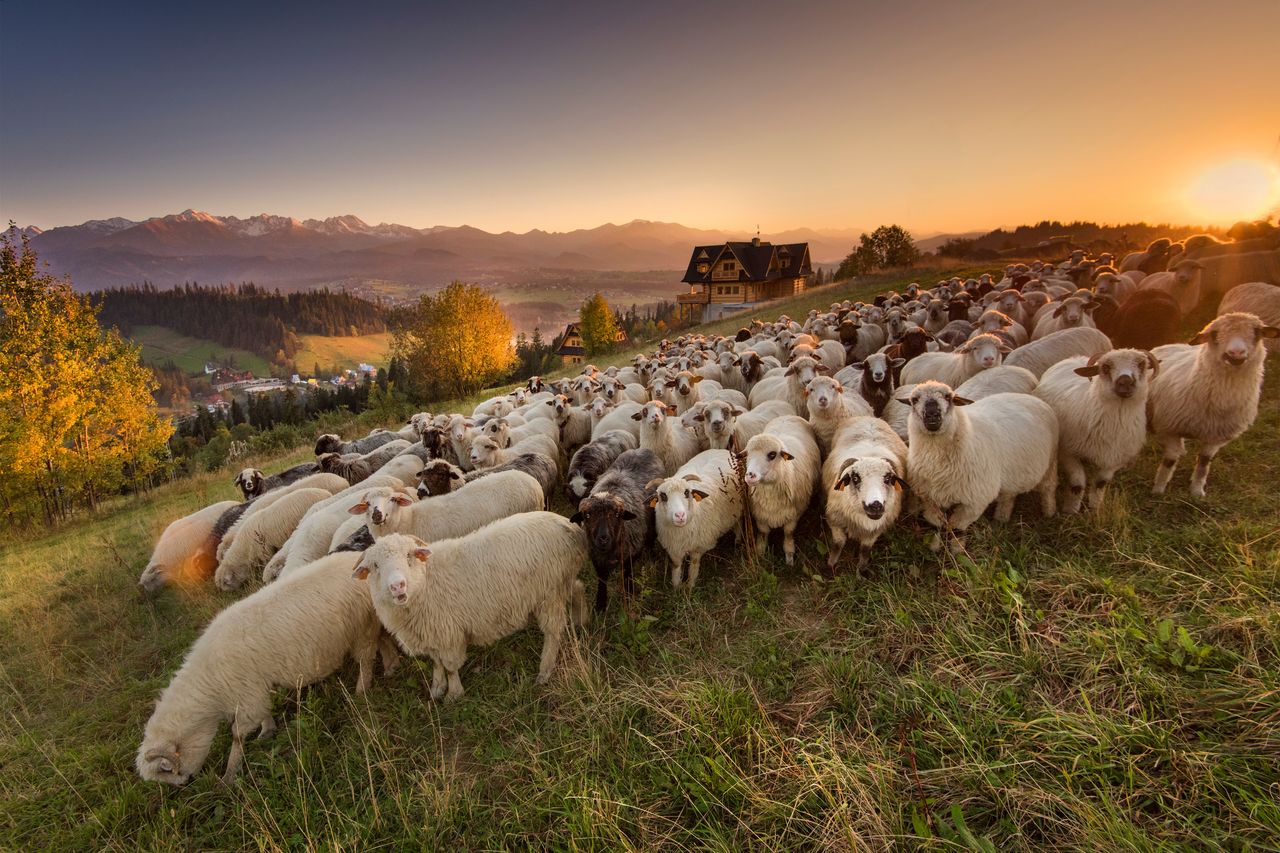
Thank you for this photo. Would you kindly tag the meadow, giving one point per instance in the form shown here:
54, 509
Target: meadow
161, 345
343, 352
1106, 682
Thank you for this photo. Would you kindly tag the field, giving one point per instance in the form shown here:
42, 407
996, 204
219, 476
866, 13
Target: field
342, 352
1079, 683
161, 344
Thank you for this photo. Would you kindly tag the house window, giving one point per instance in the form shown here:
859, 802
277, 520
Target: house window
786, 262
727, 266
702, 268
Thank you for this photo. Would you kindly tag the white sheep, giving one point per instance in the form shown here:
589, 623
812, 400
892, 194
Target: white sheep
286, 635
782, 465
487, 453
605, 417
662, 432
962, 455
330, 483
1071, 313
314, 534
1101, 404
458, 513
952, 368
262, 535
186, 551
864, 477
1257, 298
437, 598
1208, 392
788, 385
723, 423
830, 405
1039, 356
693, 508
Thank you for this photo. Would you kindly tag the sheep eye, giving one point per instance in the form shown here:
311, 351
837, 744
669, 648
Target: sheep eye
1106, 370
888, 479
856, 479
664, 497
773, 455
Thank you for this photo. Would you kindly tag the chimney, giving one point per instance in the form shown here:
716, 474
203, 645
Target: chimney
755, 241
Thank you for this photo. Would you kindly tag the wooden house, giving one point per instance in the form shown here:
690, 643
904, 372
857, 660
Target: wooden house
571, 349
735, 276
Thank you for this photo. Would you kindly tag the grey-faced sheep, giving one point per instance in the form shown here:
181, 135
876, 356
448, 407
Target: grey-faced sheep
863, 477
351, 467
330, 443
593, 459
618, 520
782, 466
285, 635
694, 508
1101, 404
1208, 392
186, 551
962, 456
438, 598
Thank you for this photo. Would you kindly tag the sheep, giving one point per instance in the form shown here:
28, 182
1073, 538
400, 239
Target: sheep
1207, 391
695, 507
486, 453
460, 434
438, 597
913, 343
1257, 298
593, 459
753, 365
330, 443
726, 424
502, 431
1071, 313
952, 368
1101, 404
830, 405
455, 514
962, 456
351, 467
330, 483
789, 385
664, 435
404, 467
1039, 356
863, 477
1118, 287
312, 538
1150, 260
998, 380
252, 482
617, 519
439, 477
781, 471
858, 340
537, 465
877, 380
605, 417
261, 535
380, 456
185, 551
1182, 281
286, 635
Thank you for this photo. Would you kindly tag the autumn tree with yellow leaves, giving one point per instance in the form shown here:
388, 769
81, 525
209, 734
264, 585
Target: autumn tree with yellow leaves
597, 326
77, 420
454, 343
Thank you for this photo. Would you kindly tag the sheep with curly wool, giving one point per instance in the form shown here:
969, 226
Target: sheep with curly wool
963, 455
789, 385
439, 597
1101, 404
952, 368
455, 514
1208, 392
261, 535
830, 405
286, 635
782, 465
662, 432
864, 478
593, 459
693, 508
1039, 356
186, 551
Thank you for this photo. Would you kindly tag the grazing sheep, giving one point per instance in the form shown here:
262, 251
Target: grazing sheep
1257, 298
186, 551
952, 368
593, 459
455, 514
962, 455
863, 477
1207, 391
253, 483
330, 443
695, 507
311, 539
830, 405
261, 535
287, 635
662, 432
617, 519
1039, 356
330, 483
782, 465
1101, 404
438, 598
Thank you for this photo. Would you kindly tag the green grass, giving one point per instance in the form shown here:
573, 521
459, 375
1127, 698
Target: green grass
161, 344
1073, 684
344, 352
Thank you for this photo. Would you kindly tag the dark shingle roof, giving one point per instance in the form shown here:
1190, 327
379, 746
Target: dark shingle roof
753, 261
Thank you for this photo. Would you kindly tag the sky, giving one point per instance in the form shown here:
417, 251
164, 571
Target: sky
941, 116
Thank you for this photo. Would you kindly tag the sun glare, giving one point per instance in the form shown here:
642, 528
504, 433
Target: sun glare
1236, 190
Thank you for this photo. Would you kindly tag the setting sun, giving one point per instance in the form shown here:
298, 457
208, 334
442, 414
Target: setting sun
1239, 189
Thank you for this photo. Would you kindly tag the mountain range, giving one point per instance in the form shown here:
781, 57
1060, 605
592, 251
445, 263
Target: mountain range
289, 253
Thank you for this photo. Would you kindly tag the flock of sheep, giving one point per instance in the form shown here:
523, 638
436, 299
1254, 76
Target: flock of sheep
935, 401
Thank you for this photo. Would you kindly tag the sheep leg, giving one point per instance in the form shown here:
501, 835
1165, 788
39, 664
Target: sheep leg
268, 728
437, 680
1174, 447
552, 620
762, 540
602, 591
455, 691
676, 574
1098, 492
1076, 482
789, 543
838, 539
694, 561
390, 654
1048, 489
1004, 507
1201, 475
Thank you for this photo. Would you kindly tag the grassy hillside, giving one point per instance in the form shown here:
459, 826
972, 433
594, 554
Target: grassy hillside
1078, 683
342, 352
160, 345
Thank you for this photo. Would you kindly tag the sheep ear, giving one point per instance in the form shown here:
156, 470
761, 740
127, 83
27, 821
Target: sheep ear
628, 515
653, 501
787, 456
576, 518
696, 379
699, 493
1153, 363
638, 416
841, 483
454, 475
899, 483
736, 411
402, 500
1088, 371
906, 401
897, 362
1005, 350
1090, 307
361, 572
699, 418
791, 371
858, 365
1269, 332
359, 508
420, 554
960, 401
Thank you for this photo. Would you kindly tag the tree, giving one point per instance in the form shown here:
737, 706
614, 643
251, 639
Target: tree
597, 326
454, 343
888, 247
77, 419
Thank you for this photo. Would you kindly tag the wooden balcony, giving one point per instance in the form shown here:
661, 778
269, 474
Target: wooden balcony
694, 297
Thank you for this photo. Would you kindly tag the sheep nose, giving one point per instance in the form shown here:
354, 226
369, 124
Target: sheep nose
874, 510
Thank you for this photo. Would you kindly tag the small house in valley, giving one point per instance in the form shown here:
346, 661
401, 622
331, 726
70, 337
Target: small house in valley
572, 351
734, 276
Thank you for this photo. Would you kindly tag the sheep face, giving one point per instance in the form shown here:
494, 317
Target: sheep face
652, 414
750, 364
536, 385
438, 478
599, 407
392, 565
459, 427
1126, 372
602, 517
985, 350
718, 418
250, 482
1008, 301
932, 404
804, 369
379, 508
483, 452
1072, 311
693, 421
163, 760
765, 455
584, 388
611, 388
1236, 338
676, 497
499, 429
1107, 284
993, 321
878, 367
329, 443
684, 383
873, 481
823, 393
